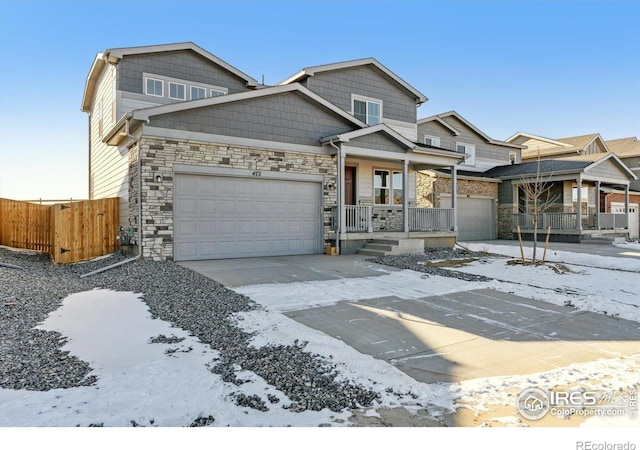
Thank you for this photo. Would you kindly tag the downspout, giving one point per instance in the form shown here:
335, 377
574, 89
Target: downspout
139, 255
338, 192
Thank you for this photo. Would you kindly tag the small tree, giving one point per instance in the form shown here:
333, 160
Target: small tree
539, 200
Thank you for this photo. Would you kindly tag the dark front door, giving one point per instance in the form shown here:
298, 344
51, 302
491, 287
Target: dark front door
349, 185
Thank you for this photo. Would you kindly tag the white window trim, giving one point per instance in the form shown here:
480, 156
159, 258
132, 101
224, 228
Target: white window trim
583, 199
146, 86
428, 136
389, 188
196, 87
177, 84
223, 90
471, 161
362, 98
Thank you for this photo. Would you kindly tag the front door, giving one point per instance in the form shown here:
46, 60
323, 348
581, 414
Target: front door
349, 185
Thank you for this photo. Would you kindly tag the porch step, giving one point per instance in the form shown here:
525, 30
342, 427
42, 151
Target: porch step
384, 247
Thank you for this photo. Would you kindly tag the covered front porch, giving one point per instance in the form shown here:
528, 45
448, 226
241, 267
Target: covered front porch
376, 190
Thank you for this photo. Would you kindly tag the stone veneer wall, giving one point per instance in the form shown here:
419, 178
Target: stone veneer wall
133, 192
430, 189
387, 219
159, 155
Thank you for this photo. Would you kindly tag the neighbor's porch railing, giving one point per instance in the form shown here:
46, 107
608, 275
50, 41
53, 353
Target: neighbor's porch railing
557, 221
358, 219
430, 219
612, 221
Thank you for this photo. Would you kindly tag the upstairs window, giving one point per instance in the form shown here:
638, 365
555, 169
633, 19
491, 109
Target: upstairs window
432, 140
367, 110
177, 91
470, 150
155, 87
198, 92
217, 92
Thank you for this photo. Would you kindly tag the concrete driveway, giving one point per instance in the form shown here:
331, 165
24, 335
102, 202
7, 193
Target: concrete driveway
437, 338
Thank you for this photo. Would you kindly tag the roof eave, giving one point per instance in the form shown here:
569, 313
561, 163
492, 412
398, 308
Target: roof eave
92, 79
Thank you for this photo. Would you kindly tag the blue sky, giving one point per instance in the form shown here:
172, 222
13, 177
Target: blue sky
557, 69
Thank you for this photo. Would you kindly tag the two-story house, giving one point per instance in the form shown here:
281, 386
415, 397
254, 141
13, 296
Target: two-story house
210, 164
477, 193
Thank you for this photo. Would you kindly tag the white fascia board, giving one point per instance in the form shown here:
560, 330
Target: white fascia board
119, 53
92, 79
346, 137
311, 71
441, 122
540, 138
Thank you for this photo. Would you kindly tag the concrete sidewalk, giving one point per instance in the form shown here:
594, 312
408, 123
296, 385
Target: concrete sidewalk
600, 249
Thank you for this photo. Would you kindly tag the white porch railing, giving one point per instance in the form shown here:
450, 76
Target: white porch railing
358, 219
612, 221
430, 219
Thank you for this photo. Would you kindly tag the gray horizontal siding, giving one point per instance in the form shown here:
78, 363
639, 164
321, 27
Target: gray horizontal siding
608, 169
183, 64
505, 192
377, 141
281, 118
487, 155
338, 85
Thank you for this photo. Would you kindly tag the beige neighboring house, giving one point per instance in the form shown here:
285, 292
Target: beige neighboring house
603, 187
477, 194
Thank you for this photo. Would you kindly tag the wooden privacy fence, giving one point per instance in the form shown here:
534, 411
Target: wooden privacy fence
69, 232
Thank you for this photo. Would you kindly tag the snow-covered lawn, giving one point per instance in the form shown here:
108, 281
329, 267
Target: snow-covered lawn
155, 384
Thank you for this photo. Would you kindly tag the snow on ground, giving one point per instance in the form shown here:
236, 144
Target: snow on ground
139, 380
170, 384
586, 259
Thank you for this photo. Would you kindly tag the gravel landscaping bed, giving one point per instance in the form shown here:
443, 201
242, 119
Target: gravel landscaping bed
417, 262
33, 359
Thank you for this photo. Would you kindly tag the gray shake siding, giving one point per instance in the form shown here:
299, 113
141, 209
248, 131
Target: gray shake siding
338, 85
184, 65
282, 118
377, 141
607, 169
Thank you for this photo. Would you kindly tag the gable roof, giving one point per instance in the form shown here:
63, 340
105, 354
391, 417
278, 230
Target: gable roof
624, 147
114, 55
311, 71
440, 119
561, 146
381, 127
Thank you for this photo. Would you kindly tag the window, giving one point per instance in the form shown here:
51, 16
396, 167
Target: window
198, 92
177, 91
432, 140
367, 110
584, 199
388, 187
217, 92
155, 87
470, 150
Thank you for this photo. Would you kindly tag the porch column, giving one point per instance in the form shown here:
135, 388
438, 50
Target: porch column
626, 199
405, 195
597, 205
454, 195
341, 211
579, 199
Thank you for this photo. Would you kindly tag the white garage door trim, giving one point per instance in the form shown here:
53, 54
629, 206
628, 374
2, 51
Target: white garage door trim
489, 231
241, 223
634, 216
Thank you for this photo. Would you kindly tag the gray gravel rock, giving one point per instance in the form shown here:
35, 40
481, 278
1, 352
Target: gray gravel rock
417, 262
32, 359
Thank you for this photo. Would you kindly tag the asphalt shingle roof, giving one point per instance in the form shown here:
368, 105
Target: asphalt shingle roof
624, 147
547, 166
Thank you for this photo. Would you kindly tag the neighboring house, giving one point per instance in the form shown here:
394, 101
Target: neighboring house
211, 164
477, 194
583, 171
628, 150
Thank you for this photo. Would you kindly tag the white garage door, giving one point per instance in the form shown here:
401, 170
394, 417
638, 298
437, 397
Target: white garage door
475, 218
227, 217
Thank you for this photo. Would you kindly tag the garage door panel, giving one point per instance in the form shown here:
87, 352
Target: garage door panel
475, 218
227, 217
